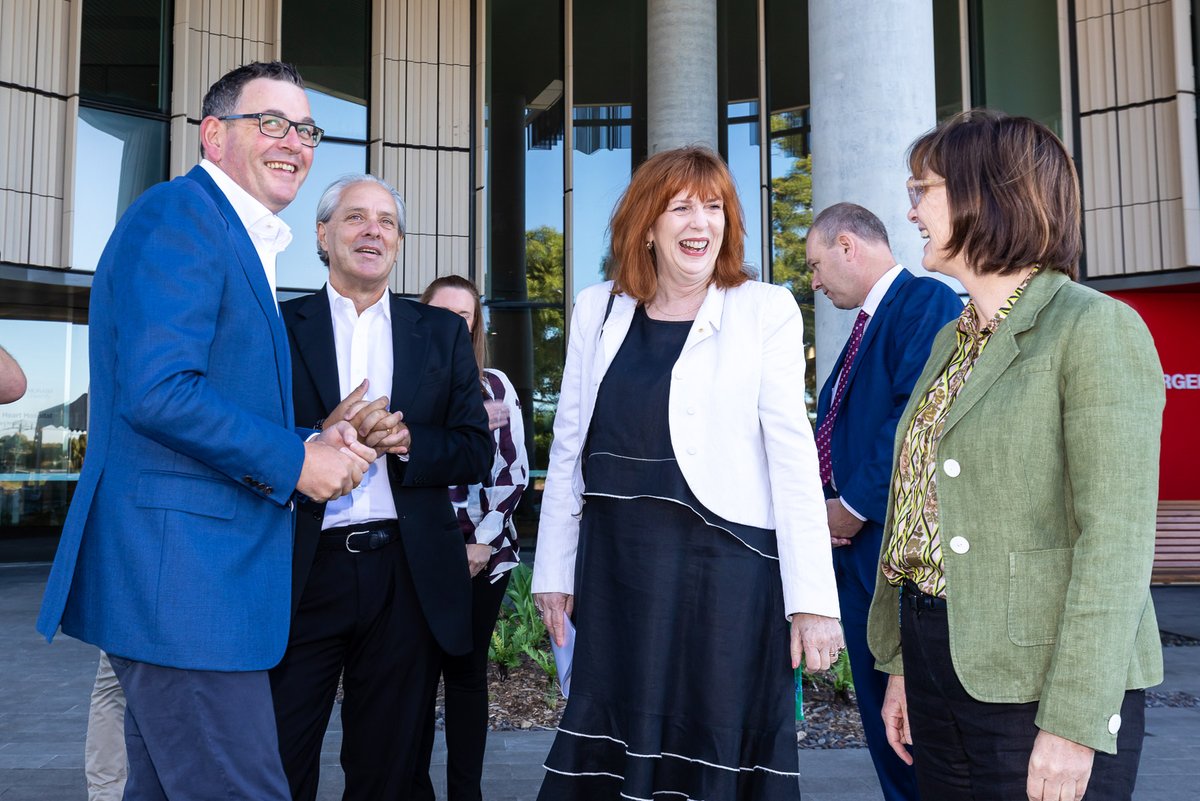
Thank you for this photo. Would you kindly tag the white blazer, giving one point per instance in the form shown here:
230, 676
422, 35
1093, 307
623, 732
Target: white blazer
738, 428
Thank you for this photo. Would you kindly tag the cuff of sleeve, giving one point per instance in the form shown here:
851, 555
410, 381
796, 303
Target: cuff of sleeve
851, 509
489, 529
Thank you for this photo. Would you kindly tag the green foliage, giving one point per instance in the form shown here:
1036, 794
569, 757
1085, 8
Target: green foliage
838, 676
519, 629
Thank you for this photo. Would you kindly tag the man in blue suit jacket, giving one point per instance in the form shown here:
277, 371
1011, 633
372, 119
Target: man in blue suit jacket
852, 263
175, 557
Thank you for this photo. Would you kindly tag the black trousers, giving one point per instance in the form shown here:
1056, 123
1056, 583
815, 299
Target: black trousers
466, 693
968, 750
359, 613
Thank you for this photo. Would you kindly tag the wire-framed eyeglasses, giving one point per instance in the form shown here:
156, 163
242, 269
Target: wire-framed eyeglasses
917, 186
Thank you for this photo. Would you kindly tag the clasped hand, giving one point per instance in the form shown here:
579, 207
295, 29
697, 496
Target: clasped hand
377, 428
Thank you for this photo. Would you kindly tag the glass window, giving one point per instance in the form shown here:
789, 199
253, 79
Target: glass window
298, 267
947, 58
609, 125
333, 58
117, 157
737, 97
1014, 59
123, 53
43, 435
790, 167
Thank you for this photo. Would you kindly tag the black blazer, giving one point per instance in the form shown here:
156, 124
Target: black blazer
435, 382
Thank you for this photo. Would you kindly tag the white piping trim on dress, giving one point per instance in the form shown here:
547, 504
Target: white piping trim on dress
674, 756
630, 458
685, 796
707, 522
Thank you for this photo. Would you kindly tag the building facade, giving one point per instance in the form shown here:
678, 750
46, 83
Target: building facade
511, 128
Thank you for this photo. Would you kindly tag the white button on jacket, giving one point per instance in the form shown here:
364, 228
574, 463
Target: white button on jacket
951, 468
960, 545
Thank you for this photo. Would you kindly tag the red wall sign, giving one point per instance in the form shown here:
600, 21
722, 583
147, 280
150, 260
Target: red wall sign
1173, 317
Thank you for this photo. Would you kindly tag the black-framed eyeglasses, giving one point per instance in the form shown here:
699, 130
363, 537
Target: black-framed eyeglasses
917, 186
277, 127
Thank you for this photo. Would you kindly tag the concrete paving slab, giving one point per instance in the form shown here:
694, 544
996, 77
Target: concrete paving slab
43, 720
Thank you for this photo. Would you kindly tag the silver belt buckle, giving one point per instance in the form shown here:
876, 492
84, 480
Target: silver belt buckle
351, 534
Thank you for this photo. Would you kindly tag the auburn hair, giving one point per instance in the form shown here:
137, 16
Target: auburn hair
691, 170
1011, 190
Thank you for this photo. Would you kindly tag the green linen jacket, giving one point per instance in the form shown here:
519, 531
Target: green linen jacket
1048, 475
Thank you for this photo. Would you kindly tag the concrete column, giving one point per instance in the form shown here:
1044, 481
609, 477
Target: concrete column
681, 73
872, 89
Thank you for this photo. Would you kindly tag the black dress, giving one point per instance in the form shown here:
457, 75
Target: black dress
682, 685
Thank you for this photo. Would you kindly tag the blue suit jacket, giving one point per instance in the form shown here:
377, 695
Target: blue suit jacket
894, 348
177, 547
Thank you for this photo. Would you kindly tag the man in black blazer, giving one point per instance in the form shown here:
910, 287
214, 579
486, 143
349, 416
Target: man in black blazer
857, 412
380, 576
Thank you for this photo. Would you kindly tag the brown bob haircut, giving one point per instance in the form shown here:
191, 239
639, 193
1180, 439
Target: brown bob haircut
1011, 188
688, 170
478, 336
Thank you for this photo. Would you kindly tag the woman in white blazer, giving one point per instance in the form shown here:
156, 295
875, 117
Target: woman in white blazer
683, 524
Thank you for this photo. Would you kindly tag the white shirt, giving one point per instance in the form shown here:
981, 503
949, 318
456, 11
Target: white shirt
363, 343
878, 291
269, 234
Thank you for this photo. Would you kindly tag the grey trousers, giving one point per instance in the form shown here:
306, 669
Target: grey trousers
104, 762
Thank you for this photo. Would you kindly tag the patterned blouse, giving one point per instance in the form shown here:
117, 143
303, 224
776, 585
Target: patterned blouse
914, 550
485, 510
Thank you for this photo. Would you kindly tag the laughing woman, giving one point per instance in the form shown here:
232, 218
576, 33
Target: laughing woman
683, 521
1020, 532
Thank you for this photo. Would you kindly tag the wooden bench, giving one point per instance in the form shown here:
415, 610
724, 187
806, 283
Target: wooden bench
1177, 544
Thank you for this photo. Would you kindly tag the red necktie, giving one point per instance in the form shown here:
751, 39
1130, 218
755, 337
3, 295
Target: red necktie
825, 430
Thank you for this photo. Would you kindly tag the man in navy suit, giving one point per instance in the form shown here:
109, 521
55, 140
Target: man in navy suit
857, 412
176, 554
381, 576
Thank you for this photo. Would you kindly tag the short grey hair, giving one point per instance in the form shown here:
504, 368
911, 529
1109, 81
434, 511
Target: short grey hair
849, 218
332, 196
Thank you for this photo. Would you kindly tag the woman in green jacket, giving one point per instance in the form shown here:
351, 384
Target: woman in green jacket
1020, 530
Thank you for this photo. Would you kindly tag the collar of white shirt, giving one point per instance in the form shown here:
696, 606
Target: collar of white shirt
881, 287
269, 233
342, 307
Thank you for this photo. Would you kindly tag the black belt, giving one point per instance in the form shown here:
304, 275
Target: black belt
913, 598
365, 537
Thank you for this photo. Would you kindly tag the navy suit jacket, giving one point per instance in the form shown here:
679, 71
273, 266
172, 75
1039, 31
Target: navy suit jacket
894, 348
435, 383
177, 547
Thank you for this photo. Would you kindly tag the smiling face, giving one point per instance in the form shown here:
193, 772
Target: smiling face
459, 301
931, 215
271, 170
362, 238
687, 238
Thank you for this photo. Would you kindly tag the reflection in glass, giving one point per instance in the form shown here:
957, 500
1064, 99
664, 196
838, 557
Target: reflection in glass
744, 164
122, 53
117, 157
298, 267
791, 216
1015, 64
602, 161
341, 118
43, 435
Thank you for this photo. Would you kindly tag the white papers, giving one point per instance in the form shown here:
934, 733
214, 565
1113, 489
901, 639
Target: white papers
563, 657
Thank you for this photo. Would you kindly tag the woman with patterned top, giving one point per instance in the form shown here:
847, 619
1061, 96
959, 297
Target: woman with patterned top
1020, 529
485, 516
683, 520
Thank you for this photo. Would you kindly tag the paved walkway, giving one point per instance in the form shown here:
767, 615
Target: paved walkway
43, 718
